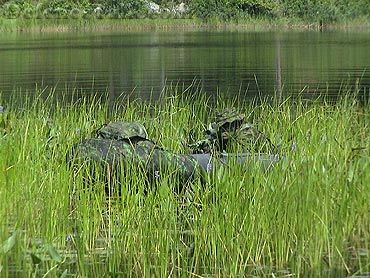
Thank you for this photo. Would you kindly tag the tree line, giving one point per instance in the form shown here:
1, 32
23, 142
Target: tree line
310, 10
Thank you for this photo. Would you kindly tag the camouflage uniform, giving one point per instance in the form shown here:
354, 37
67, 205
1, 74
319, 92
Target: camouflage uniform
123, 143
230, 133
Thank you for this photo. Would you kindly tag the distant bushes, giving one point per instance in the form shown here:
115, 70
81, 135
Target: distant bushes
73, 9
232, 9
126, 9
65, 9
326, 10
83, 9
46, 9
310, 10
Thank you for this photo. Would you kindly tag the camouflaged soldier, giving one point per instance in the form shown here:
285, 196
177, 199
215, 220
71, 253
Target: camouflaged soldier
230, 133
124, 144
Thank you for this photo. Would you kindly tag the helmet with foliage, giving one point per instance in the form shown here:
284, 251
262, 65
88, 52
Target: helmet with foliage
131, 131
230, 130
227, 121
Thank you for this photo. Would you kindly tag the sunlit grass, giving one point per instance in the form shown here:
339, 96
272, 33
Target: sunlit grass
307, 216
172, 24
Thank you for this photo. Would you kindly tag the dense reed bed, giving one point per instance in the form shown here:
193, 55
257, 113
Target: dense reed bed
136, 25
307, 216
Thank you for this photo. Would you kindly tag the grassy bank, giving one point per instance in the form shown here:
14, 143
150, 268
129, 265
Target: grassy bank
308, 216
101, 25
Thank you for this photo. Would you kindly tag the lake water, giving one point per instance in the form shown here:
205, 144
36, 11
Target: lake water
245, 63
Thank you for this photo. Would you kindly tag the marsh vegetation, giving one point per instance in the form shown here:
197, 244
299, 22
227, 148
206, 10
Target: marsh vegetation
307, 216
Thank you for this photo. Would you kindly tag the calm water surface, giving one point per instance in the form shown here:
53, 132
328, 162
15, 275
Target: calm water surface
246, 63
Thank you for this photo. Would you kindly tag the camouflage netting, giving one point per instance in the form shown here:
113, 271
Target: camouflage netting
120, 145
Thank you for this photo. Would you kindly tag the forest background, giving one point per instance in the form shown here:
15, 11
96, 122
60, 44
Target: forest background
323, 11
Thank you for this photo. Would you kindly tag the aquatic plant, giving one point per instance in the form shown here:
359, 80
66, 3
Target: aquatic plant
307, 216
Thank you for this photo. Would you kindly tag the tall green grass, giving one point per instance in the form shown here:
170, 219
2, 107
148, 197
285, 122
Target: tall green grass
138, 25
307, 216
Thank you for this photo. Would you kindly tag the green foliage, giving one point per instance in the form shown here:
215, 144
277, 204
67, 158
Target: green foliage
8, 244
17, 8
124, 9
212, 8
326, 10
65, 9
353, 9
230, 9
46, 9
257, 7
311, 208
311, 10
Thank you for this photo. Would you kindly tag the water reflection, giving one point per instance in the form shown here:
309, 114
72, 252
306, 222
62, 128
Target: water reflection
244, 63
278, 83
